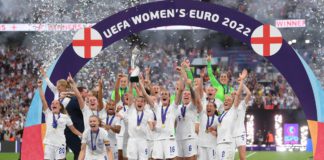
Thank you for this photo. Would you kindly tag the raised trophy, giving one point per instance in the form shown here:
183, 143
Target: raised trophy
134, 65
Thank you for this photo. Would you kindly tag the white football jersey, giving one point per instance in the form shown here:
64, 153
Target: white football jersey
97, 146
239, 123
111, 120
206, 139
186, 123
225, 128
55, 136
165, 131
130, 120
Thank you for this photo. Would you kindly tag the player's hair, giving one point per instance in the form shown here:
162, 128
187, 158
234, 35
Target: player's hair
100, 124
81, 88
62, 110
63, 82
215, 106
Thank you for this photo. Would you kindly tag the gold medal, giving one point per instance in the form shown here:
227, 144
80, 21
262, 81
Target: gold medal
206, 131
163, 126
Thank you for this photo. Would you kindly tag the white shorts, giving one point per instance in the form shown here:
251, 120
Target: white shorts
240, 141
137, 149
54, 152
225, 151
187, 147
165, 149
207, 153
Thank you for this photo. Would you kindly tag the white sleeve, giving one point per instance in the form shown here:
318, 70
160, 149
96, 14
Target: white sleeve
105, 134
51, 85
68, 121
117, 123
47, 111
84, 137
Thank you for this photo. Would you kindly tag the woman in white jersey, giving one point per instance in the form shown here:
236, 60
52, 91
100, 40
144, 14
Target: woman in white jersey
112, 125
240, 132
164, 142
186, 118
56, 122
137, 120
207, 133
95, 143
226, 123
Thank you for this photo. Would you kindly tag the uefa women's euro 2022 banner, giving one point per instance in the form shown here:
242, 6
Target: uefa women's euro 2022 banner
264, 39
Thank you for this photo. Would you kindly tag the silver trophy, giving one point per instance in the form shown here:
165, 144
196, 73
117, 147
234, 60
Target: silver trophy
134, 65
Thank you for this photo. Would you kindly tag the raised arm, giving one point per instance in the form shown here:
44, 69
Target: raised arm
146, 96
214, 82
48, 81
117, 85
248, 94
195, 99
100, 95
42, 96
130, 95
76, 91
186, 65
239, 91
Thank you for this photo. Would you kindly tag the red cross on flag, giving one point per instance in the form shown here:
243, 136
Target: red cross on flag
87, 42
266, 40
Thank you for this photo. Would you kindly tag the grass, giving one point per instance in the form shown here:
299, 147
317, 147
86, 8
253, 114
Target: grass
249, 155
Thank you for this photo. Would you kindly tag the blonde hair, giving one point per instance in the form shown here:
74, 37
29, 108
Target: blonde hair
63, 82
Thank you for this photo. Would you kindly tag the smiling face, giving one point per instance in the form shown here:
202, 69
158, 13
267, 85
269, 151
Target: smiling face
156, 89
165, 97
223, 78
140, 103
93, 102
228, 102
94, 123
186, 97
211, 108
110, 107
211, 91
123, 82
56, 106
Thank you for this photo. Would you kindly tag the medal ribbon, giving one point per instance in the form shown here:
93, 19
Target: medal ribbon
163, 114
140, 118
109, 122
209, 124
183, 111
54, 124
93, 144
220, 118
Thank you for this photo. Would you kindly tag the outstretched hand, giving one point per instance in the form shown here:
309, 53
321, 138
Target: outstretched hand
39, 83
243, 75
42, 71
70, 79
209, 58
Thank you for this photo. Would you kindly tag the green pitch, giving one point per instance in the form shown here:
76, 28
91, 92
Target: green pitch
249, 155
